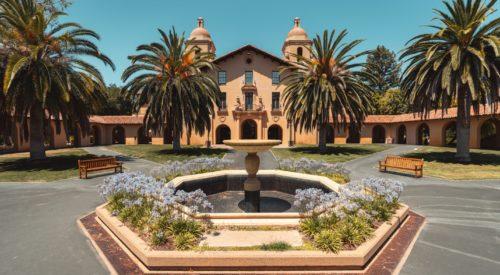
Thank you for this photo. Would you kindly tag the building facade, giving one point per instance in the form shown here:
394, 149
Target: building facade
252, 109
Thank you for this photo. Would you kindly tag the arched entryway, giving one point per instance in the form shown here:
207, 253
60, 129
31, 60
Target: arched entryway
401, 134
222, 133
49, 141
450, 134
95, 136
330, 134
490, 136
423, 134
167, 136
275, 132
378, 134
249, 129
143, 136
73, 137
354, 135
118, 135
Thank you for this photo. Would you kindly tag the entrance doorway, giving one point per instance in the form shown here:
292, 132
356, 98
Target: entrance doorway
249, 129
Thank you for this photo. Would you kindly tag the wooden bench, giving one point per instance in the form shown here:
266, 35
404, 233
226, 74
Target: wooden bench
98, 164
411, 164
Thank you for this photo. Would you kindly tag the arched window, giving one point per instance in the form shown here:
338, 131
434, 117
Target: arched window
378, 134
95, 136
354, 135
401, 134
249, 129
222, 133
450, 134
490, 136
118, 135
423, 134
275, 132
299, 51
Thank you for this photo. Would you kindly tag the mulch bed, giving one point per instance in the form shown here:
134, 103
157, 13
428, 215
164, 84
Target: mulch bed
385, 263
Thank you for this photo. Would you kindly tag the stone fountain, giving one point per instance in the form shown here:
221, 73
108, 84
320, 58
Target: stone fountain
252, 185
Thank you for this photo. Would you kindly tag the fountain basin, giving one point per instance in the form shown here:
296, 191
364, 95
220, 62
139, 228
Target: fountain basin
283, 182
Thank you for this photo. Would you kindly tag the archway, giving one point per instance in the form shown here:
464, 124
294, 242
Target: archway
118, 135
330, 134
275, 132
423, 134
378, 134
49, 141
354, 135
401, 134
222, 133
95, 136
490, 136
73, 136
142, 136
249, 129
167, 136
450, 134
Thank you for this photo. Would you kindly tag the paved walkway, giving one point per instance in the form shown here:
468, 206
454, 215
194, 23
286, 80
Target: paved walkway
39, 234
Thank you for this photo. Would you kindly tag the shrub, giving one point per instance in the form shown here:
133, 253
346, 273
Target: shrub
310, 226
328, 240
354, 230
335, 171
185, 241
173, 169
182, 225
276, 246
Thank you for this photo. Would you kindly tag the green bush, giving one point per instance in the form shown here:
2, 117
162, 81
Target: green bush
328, 240
354, 230
310, 226
276, 246
179, 226
185, 241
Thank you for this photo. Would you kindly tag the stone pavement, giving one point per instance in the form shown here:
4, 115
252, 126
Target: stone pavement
39, 234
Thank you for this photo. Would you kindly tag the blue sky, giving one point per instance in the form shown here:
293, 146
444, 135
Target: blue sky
124, 24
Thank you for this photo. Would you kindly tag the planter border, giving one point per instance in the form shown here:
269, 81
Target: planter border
251, 260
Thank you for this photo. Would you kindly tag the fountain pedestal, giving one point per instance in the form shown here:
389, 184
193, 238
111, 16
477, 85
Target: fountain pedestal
252, 185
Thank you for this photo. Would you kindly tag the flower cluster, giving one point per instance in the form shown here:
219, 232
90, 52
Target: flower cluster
336, 171
174, 169
347, 217
144, 188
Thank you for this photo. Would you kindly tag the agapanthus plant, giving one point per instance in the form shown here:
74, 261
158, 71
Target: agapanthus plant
348, 216
335, 171
174, 169
151, 206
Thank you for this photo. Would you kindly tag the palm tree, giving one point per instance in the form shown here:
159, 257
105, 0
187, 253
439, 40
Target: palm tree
327, 88
45, 75
459, 62
176, 83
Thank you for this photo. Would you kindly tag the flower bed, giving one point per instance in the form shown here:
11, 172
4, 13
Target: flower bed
348, 218
334, 171
173, 169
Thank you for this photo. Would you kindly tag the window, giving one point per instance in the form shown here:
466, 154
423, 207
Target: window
249, 77
222, 77
276, 77
276, 101
299, 51
223, 101
249, 101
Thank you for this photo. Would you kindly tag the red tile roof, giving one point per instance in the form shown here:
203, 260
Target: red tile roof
134, 119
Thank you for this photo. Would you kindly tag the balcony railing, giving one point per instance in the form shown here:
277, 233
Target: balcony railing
249, 85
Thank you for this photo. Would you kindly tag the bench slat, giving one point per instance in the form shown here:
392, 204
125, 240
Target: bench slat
404, 163
98, 164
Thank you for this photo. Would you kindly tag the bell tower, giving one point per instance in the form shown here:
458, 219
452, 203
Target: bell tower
296, 43
201, 38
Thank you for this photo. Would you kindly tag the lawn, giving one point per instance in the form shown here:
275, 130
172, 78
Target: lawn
164, 153
60, 164
440, 162
334, 153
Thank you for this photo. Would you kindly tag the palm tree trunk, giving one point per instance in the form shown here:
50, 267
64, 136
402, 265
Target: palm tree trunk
176, 142
463, 127
36, 131
322, 138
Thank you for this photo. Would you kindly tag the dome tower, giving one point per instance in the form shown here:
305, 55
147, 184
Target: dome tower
297, 42
201, 38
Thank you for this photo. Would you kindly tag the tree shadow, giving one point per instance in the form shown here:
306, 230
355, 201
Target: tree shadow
333, 150
449, 157
193, 152
52, 163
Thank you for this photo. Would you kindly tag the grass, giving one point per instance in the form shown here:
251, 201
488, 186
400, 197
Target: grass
164, 153
275, 246
440, 162
60, 164
334, 153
